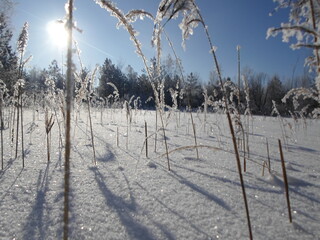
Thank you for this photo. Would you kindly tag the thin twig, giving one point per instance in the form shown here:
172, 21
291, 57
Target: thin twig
285, 180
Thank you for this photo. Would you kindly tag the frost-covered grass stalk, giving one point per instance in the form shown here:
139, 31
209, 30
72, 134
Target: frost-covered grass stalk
3, 89
128, 113
198, 18
194, 135
281, 122
84, 93
18, 104
269, 162
48, 125
156, 131
69, 87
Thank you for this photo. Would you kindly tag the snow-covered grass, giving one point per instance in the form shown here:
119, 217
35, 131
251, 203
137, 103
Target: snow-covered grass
127, 196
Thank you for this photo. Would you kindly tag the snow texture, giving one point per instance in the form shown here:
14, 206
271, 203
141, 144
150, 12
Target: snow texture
127, 196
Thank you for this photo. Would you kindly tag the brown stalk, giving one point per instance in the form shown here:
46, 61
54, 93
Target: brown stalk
22, 142
263, 167
155, 136
17, 132
230, 123
146, 137
195, 136
69, 85
285, 180
165, 141
269, 162
48, 124
91, 131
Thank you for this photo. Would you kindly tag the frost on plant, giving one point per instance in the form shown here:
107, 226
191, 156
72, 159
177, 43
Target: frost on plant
170, 9
303, 26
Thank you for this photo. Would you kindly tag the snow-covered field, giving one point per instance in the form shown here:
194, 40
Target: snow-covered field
129, 196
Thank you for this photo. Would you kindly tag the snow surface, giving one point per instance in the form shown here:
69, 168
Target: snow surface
129, 196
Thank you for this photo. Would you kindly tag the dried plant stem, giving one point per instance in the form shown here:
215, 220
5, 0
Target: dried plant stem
22, 140
195, 135
17, 132
69, 84
59, 126
269, 162
155, 136
48, 124
240, 173
127, 139
244, 153
165, 140
48, 147
215, 60
285, 180
91, 131
1, 129
263, 167
146, 137
12, 126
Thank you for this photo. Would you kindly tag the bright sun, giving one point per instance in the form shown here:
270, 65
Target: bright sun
58, 34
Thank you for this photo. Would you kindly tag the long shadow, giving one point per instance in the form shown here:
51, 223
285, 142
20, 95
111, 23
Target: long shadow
202, 191
7, 166
192, 225
303, 149
35, 222
235, 183
14, 181
134, 229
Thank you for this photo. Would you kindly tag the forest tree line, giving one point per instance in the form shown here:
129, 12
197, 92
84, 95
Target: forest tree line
260, 91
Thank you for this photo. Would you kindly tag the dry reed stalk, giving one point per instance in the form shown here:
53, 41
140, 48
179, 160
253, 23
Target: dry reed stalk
192, 147
22, 139
165, 141
91, 131
69, 84
244, 154
17, 132
269, 162
127, 139
48, 124
285, 180
240, 173
215, 60
194, 135
247, 143
155, 136
59, 127
263, 167
11, 133
146, 137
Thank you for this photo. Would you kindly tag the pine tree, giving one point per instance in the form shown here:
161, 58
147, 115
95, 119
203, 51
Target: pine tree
8, 58
56, 74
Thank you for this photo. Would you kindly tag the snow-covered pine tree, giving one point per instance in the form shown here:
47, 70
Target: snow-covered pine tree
8, 59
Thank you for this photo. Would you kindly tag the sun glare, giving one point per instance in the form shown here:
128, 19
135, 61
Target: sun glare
57, 33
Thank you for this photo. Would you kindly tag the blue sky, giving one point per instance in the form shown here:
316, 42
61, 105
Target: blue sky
231, 23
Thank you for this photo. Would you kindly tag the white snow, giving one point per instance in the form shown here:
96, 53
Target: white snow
127, 196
